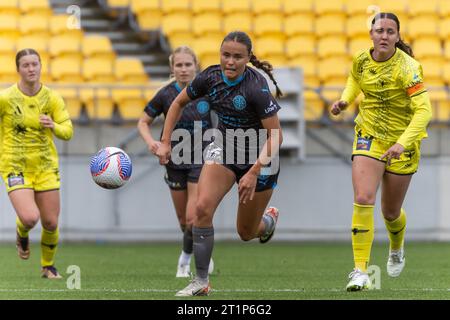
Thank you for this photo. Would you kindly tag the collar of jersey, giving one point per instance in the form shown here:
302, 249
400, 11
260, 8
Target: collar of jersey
177, 86
234, 82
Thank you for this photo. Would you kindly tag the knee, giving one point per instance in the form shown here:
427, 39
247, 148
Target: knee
30, 222
204, 210
50, 225
365, 198
390, 214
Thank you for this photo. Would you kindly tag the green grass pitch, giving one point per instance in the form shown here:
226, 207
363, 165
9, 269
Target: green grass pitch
250, 271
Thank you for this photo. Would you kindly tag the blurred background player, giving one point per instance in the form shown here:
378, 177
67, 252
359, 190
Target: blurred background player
241, 97
392, 120
181, 178
31, 114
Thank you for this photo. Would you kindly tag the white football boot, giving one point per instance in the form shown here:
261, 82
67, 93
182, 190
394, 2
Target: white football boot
197, 287
359, 281
396, 262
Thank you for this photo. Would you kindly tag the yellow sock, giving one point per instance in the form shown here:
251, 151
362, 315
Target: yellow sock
21, 230
362, 234
396, 230
49, 242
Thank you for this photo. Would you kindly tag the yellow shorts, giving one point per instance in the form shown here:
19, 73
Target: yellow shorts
369, 146
38, 181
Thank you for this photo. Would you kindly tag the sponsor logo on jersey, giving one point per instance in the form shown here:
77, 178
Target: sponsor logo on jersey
363, 144
239, 102
272, 106
202, 107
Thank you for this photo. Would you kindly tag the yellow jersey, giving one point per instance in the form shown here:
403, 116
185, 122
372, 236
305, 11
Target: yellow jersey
396, 106
26, 146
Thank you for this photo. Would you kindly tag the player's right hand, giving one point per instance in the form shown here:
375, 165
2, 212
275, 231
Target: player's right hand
163, 153
338, 106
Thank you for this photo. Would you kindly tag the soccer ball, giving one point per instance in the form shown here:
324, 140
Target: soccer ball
111, 168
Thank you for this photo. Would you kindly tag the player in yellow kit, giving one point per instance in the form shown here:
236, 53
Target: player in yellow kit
30, 114
392, 120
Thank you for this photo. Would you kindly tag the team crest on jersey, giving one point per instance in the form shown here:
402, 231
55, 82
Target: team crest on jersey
239, 102
363, 144
15, 180
202, 107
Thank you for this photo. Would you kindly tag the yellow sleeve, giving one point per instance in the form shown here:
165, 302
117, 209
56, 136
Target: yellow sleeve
63, 125
420, 103
352, 88
421, 106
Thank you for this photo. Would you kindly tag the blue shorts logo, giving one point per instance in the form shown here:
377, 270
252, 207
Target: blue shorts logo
363, 144
239, 102
202, 107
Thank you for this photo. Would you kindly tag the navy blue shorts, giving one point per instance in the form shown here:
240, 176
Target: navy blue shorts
177, 179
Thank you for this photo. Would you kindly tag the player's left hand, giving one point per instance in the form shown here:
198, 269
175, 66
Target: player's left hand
247, 186
393, 152
46, 121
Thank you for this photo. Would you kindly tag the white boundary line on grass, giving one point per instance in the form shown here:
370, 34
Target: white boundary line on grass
149, 290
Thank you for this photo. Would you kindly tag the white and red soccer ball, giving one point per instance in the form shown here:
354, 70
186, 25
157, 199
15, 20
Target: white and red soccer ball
111, 168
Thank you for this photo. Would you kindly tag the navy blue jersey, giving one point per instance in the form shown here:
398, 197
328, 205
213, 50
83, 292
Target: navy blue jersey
197, 110
239, 104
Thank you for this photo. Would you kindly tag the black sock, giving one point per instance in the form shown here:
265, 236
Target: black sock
203, 247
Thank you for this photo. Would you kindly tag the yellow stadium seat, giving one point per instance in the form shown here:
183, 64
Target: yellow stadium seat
432, 70
118, 3
242, 21
66, 70
298, 24
181, 39
61, 25
446, 72
266, 6
329, 6
359, 43
333, 68
65, 46
233, 6
206, 24
72, 100
429, 47
307, 63
332, 46
295, 6
97, 46
207, 60
149, 94
45, 70
360, 7
421, 7
444, 28
207, 45
442, 112
171, 6
149, 20
9, 26
423, 26
34, 24
41, 7
36, 42
269, 47
447, 49
97, 70
444, 8
130, 102
8, 72
10, 7
99, 103
358, 25
202, 6
398, 7
301, 45
330, 24
268, 24
139, 6
314, 106
130, 70
176, 23
7, 48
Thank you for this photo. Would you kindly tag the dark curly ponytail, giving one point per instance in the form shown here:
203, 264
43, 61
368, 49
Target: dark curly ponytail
265, 66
